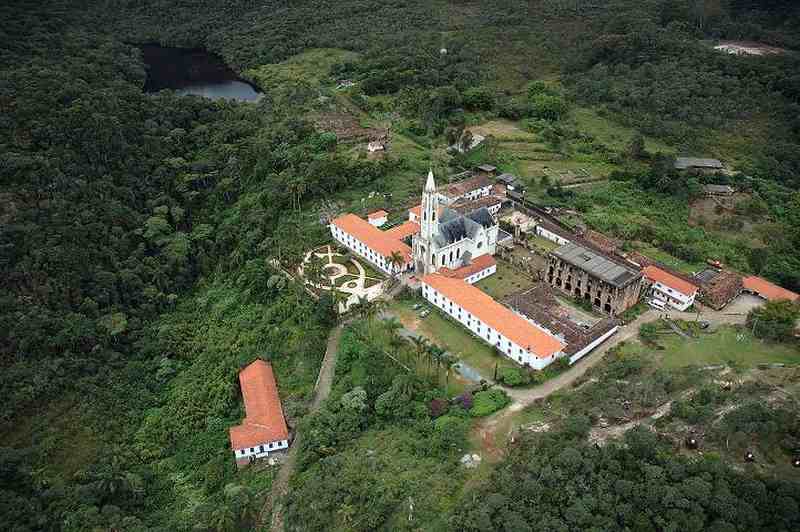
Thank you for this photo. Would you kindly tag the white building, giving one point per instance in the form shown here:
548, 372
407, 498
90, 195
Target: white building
448, 239
376, 145
378, 218
376, 246
517, 338
669, 290
468, 189
264, 429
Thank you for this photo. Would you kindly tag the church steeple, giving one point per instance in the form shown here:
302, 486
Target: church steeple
430, 185
430, 208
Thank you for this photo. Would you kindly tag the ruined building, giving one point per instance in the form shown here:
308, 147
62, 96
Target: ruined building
611, 286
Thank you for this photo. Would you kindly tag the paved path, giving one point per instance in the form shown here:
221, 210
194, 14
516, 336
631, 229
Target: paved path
280, 486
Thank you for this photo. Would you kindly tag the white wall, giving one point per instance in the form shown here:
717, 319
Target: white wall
549, 235
377, 222
580, 354
256, 450
483, 274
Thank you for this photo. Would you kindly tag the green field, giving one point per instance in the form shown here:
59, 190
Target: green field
312, 66
727, 345
505, 282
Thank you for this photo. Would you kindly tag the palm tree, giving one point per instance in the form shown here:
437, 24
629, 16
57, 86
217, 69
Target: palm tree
449, 361
436, 353
420, 346
396, 260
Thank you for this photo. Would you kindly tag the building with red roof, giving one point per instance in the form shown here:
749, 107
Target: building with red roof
668, 288
371, 243
499, 326
378, 218
404, 230
767, 290
477, 269
263, 430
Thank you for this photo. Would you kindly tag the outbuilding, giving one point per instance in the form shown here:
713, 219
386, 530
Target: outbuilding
263, 430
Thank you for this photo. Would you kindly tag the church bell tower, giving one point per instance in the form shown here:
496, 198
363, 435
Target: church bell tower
424, 256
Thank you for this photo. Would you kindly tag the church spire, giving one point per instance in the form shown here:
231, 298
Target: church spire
430, 185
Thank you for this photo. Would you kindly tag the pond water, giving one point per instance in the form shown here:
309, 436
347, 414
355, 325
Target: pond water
193, 71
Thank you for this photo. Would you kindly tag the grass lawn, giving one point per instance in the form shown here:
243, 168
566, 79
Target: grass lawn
452, 337
722, 347
543, 243
610, 133
505, 282
669, 260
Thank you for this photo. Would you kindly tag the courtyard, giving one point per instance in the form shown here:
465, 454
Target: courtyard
325, 268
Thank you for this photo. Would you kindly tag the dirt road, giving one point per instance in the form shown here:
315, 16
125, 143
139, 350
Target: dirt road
280, 486
487, 429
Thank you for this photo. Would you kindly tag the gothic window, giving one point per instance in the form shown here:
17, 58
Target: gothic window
480, 245
451, 255
458, 253
441, 262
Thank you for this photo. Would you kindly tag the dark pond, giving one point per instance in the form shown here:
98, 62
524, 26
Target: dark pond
193, 71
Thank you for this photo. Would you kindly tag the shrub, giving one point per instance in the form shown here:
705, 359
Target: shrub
465, 399
438, 407
488, 402
513, 377
449, 433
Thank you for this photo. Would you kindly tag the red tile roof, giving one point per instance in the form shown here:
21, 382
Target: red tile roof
656, 274
477, 265
403, 230
464, 187
264, 421
416, 211
498, 317
379, 241
377, 214
768, 290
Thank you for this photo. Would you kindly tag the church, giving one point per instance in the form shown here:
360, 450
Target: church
454, 244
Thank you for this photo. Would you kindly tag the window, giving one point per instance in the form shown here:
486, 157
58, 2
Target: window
261, 448
252, 449
271, 445
242, 451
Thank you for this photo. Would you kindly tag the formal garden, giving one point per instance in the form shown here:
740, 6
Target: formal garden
327, 268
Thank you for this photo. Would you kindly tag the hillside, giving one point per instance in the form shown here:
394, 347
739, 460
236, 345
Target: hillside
139, 234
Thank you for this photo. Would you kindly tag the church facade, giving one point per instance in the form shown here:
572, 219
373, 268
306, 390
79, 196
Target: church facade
448, 240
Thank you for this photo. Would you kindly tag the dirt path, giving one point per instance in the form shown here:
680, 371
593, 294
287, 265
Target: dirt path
280, 486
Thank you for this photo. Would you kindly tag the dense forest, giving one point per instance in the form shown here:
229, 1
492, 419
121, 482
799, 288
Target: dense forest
136, 230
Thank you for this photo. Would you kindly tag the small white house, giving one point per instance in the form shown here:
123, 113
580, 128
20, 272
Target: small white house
669, 290
378, 218
375, 146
